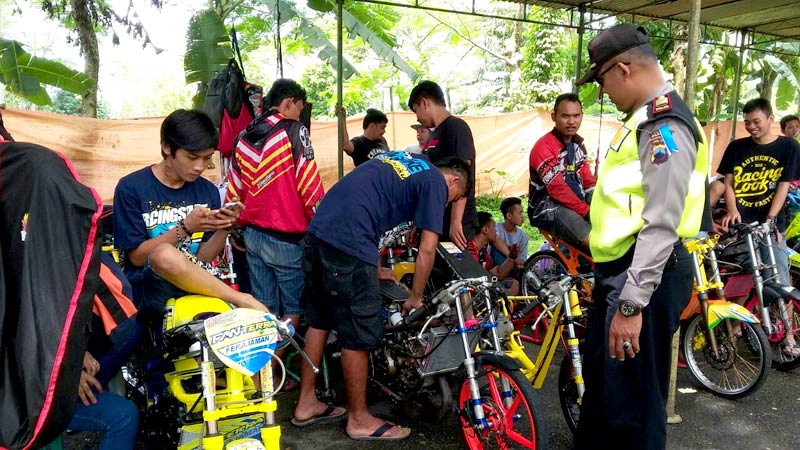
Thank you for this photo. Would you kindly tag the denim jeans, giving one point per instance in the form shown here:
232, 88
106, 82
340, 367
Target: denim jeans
276, 271
781, 260
114, 416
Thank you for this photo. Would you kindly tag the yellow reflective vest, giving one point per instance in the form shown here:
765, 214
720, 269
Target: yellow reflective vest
618, 201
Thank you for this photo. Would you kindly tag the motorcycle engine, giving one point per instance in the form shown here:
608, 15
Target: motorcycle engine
161, 423
394, 365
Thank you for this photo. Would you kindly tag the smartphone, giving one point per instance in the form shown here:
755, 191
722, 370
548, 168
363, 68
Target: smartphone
231, 205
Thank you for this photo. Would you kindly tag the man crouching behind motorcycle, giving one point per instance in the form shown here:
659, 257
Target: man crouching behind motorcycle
340, 255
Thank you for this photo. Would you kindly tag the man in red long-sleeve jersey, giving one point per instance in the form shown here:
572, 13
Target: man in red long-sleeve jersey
275, 175
561, 179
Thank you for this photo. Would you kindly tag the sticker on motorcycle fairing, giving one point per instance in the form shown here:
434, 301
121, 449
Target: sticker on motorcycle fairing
451, 248
721, 310
243, 339
234, 431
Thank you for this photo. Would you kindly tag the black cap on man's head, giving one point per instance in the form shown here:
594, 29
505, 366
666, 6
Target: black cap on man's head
610, 43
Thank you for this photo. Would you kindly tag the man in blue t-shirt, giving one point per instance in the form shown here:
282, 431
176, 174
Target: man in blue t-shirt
340, 255
168, 220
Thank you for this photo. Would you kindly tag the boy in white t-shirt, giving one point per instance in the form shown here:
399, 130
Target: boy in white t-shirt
509, 231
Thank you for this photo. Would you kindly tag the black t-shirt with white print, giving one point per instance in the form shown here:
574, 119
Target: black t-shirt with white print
365, 149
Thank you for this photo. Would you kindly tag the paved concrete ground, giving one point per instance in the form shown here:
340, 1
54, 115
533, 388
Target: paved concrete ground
768, 419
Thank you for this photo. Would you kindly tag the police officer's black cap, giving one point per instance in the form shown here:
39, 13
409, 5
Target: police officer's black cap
610, 43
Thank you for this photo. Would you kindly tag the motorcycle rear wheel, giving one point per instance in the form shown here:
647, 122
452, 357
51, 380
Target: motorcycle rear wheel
546, 265
741, 364
514, 427
780, 359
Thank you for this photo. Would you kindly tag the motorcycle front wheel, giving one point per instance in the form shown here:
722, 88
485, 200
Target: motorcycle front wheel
512, 420
739, 366
568, 394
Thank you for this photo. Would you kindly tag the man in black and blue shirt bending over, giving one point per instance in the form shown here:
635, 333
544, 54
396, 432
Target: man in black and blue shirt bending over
340, 255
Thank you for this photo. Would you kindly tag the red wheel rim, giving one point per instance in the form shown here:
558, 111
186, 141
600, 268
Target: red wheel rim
502, 426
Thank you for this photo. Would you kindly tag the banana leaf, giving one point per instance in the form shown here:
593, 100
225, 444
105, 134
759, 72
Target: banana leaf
313, 35
371, 23
788, 82
383, 50
25, 75
208, 47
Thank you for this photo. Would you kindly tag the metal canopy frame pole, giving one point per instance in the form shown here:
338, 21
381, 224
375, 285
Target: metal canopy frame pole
340, 85
742, 46
581, 30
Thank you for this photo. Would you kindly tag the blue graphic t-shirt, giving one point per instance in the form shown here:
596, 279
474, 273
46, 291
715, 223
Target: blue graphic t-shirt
393, 187
145, 208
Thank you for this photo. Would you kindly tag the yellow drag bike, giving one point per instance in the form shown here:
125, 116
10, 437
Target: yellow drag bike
558, 302
198, 392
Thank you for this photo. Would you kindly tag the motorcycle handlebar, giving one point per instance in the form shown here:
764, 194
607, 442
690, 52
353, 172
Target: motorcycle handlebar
418, 314
445, 295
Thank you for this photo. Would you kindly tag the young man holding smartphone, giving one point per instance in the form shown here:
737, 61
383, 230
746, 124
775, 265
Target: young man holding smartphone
168, 220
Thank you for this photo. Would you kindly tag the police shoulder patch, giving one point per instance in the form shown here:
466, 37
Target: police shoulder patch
662, 103
662, 145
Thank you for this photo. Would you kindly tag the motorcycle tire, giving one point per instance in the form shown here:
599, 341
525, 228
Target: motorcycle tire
568, 395
741, 364
780, 359
521, 416
546, 265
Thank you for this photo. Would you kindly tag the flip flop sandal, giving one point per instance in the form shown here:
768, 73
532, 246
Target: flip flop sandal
330, 414
794, 352
378, 434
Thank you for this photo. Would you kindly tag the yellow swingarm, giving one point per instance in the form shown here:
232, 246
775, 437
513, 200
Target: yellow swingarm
536, 372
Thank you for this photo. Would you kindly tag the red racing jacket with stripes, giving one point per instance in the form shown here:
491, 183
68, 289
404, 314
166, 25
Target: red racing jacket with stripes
274, 174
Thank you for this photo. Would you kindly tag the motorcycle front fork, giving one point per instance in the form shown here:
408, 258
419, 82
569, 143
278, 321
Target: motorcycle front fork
479, 416
758, 279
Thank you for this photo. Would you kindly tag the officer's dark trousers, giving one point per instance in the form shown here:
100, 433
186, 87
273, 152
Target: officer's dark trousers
624, 405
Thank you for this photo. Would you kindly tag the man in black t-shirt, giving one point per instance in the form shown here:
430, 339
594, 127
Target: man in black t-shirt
758, 168
451, 138
371, 143
757, 172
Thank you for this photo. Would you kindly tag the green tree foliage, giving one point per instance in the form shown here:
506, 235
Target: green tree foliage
208, 51
85, 19
70, 104
548, 63
319, 80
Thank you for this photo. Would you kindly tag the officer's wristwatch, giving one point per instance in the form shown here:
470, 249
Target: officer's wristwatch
627, 308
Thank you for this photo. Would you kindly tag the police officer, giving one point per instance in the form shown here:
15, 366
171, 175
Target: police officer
650, 193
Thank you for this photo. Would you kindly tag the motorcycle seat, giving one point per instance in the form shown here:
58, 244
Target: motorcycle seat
393, 291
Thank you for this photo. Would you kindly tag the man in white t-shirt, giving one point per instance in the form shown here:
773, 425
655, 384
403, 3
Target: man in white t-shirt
510, 232
423, 134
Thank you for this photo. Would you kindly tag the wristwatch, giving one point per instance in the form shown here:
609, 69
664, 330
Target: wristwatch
627, 308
